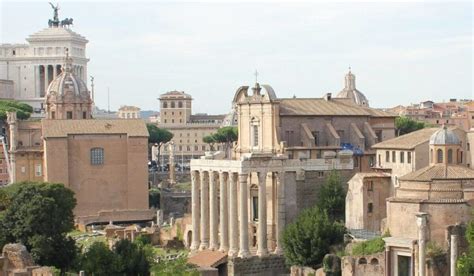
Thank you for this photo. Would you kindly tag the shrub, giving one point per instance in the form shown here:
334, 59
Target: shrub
369, 247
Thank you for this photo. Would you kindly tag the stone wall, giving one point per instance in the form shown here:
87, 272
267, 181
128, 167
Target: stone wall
261, 266
175, 203
368, 265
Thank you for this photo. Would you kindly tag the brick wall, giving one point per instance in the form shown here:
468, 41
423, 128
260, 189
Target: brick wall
270, 265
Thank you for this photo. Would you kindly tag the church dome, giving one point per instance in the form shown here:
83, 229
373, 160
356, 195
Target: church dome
444, 136
350, 91
67, 82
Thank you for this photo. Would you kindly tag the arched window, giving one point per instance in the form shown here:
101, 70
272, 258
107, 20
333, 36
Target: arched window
431, 156
172, 105
450, 156
97, 156
362, 261
439, 153
254, 130
374, 261
180, 104
165, 104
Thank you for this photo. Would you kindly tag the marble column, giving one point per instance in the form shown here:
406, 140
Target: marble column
421, 222
195, 209
281, 219
204, 211
55, 72
244, 217
37, 81
46, 78
223, 210
233, 227
262, 249
454, 254
214, 240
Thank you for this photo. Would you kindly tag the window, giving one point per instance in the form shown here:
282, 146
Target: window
255, 136
180, 104
180, 148
53, 115
84, 115
393, 157
387, 156
69, 115
255, 208
316, 138
172, 112
380, 160
165, 121
165, 105
172, 120
97, 156
370, 208
402, 157
188, 148
439, 153
196, 148
172, 105
203, 148
431, 156
409, 157
450, 156
370, 186
38, 170
320, 174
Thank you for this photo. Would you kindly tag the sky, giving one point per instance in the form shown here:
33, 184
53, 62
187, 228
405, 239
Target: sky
400, 52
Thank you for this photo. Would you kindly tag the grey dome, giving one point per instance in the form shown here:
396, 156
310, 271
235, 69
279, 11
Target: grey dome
65, 82
350, 91
444, 136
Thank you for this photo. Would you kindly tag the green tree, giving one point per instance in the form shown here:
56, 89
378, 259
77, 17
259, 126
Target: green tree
134, 258
23, 111
39, 216
154, 198
309, 238
210, 140
225, 136
178, 267
465, 265
332, 196
99, 260
158, 136
404, 125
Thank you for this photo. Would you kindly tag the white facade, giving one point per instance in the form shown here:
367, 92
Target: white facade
34, 65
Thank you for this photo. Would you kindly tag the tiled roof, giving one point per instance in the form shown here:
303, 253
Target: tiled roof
440, 171
322, 107
208, 258
407, 141
62, 128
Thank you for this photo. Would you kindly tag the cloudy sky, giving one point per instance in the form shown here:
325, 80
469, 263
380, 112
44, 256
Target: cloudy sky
400, 52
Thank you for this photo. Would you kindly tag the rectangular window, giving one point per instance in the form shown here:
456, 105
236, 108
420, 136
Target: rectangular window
378, 133
38, 170
370, 208
69, 115
255, 136
409, 157
97, 156
402, 157
84, 115
255, 208
53, 115
316, 138
387, 156
370, 186
320, 174
393, 157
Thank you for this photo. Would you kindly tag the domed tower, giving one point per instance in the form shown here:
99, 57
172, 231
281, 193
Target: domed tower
445, 147
351, 92
67, 96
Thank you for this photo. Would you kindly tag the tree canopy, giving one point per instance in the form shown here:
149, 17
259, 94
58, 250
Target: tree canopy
465, 265
332, 197
23, 111
225, 135
158, 135
39, 215
308, 239
404, 125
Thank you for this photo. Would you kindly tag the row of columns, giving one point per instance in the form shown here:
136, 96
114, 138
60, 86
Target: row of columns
227, 228
44, 74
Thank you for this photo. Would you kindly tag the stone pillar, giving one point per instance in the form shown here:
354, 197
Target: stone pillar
213, 242
171, 163
233, 227
281, 219
244, 217
262, 249
195, 209
37, 81
46, 78
55, 73
454, 254
421, 222
204, 211
223, 226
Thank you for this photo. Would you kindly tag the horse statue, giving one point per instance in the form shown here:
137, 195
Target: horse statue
66, 22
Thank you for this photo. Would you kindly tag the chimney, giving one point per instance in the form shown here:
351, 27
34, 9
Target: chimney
327, 96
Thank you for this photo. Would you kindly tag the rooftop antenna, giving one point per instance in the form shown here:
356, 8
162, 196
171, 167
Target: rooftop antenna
108, 99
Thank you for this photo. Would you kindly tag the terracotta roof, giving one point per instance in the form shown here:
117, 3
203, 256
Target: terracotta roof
63, 128
208, 258
374, 174
175, 94
440, 171
322, 107
407, 141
